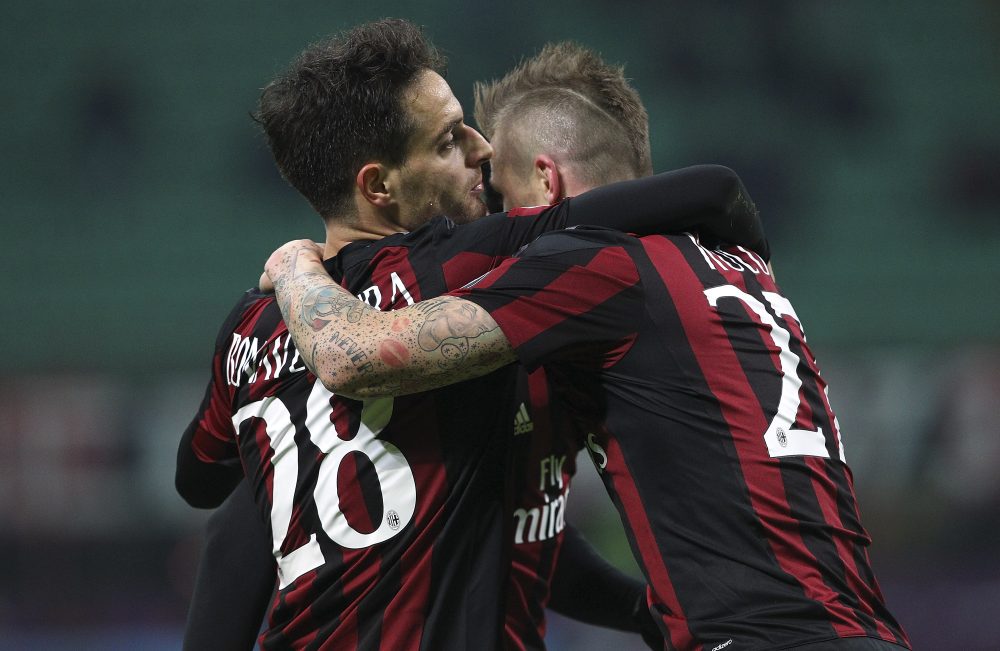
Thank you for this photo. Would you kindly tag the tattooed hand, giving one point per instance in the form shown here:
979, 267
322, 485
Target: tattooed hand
285, 259
265, 284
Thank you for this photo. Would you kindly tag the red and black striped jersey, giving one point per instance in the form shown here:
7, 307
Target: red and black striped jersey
543, 462
389, 518
707, 417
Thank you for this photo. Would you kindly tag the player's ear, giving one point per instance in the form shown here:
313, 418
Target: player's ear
548, 175
371, 183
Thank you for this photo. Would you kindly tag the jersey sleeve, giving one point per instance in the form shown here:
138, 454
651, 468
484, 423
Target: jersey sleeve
208, 463
708, 199
572, 296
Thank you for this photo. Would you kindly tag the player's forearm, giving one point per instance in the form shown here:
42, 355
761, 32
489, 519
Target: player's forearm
588, 588
359, 352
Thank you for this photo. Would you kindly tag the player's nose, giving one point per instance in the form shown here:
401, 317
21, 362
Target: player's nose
480, 150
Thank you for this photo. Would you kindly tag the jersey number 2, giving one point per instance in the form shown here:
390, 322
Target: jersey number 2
399, 491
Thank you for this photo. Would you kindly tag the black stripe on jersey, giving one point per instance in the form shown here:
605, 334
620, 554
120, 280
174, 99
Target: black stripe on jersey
370, 619
754, 550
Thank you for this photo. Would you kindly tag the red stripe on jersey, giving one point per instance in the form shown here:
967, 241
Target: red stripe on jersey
528, 316
465, 267
408, 604
645, 540
350, 490
389, 262
511, 640
526, 211
728, 383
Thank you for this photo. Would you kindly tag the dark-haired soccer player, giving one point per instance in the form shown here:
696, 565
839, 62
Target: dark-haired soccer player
688, 370
389, 519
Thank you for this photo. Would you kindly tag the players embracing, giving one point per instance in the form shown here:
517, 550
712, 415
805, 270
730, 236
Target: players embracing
396, 522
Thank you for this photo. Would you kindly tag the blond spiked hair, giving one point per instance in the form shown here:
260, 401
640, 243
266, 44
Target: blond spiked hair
567, 96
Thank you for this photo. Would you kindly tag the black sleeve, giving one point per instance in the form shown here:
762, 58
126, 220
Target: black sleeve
235, 580
709, 199
203, 485
587, 588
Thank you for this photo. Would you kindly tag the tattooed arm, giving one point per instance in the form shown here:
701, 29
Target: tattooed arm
359, 352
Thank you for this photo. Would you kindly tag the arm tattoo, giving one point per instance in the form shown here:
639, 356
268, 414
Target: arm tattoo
448, 328
329, 302
360, 352
320, 301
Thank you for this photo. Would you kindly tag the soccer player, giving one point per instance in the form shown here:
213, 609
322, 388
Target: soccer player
688, 370
389, 519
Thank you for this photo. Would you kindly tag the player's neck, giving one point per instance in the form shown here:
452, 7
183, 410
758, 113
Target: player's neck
340, 234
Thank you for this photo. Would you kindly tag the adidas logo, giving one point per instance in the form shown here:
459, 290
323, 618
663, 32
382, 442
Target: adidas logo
522, 421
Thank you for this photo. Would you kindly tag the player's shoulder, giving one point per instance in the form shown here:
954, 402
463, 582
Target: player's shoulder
247, 310
577, 238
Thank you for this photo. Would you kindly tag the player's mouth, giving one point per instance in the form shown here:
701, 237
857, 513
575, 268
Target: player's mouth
477, 189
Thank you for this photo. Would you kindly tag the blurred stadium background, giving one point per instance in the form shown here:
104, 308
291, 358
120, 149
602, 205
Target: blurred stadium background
138, 202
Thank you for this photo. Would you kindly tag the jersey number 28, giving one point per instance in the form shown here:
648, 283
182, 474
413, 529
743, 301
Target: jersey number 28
399, 491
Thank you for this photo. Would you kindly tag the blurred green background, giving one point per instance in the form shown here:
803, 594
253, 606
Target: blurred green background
138, 201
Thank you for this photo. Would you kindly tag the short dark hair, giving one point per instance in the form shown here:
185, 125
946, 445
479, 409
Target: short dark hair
566, 78
339, 106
